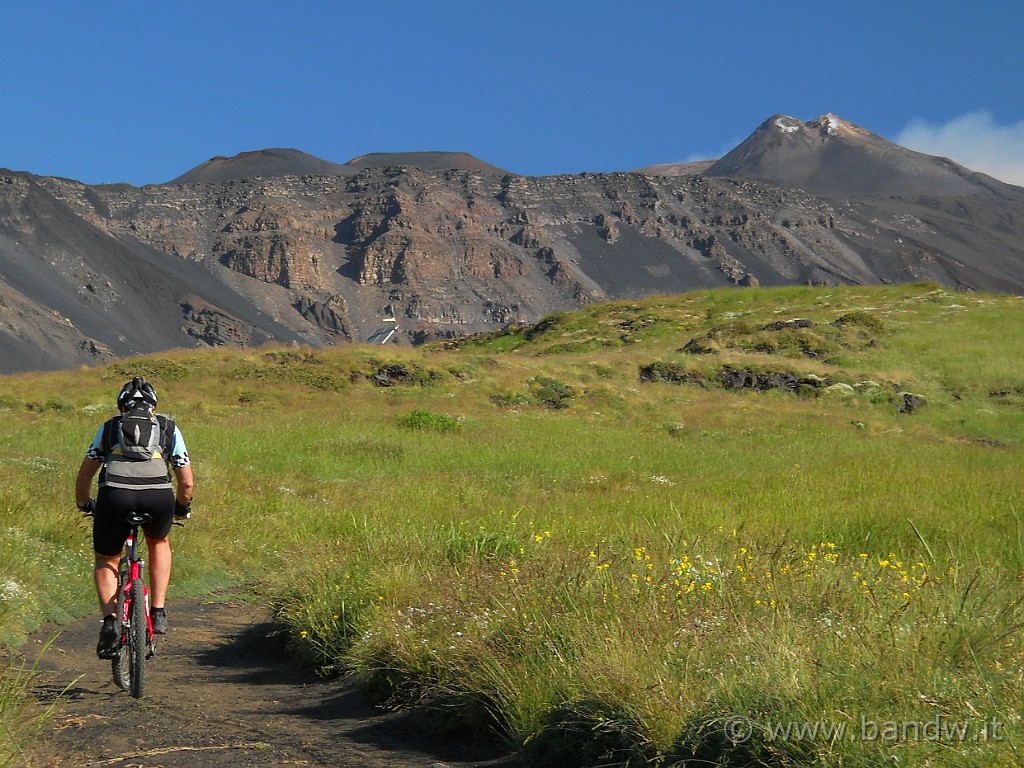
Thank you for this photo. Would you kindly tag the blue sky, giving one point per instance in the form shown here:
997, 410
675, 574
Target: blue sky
142, 92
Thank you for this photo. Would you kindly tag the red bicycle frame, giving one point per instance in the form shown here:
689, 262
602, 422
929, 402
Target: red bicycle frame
131, 569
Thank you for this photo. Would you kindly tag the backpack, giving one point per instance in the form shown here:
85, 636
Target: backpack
140, 435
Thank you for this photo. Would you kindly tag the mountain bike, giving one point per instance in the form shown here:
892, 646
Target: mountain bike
133, 623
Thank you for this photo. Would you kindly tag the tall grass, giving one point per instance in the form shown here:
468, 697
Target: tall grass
21, 719
662, 644
521, 534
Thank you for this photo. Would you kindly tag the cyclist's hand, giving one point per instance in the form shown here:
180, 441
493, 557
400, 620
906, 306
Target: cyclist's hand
182, 511
88, 508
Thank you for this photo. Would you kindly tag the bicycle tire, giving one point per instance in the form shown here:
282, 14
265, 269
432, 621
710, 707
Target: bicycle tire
120, 663
137, 640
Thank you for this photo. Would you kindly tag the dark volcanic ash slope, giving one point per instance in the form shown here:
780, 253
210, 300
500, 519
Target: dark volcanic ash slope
72, 292
92, 271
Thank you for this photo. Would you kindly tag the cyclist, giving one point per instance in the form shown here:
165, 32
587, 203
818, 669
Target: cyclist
131, 484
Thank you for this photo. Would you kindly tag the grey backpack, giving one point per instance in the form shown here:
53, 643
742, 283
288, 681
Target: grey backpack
140, 435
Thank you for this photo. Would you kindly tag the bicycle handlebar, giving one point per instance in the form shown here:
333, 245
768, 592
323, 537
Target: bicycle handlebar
135, 518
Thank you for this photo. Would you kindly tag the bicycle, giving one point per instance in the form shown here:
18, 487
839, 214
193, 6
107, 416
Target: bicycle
134, 626
132, 621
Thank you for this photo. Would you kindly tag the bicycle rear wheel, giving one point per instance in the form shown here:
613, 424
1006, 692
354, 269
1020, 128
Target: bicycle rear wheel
137, 640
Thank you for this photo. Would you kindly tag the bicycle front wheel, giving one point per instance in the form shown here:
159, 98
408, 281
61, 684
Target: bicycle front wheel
137, 640
122, 670
121, 664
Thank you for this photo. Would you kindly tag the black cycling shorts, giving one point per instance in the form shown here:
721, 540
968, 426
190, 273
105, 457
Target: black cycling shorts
109, 529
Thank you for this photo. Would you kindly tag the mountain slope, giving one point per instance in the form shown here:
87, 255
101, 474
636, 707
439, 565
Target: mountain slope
426, 161
835, 158
676, 169
267, 163
278, 163
107, 295
90, 272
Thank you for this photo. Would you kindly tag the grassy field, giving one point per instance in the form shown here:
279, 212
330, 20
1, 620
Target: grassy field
741, 527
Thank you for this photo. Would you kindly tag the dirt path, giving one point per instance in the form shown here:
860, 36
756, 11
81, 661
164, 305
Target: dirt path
219, 693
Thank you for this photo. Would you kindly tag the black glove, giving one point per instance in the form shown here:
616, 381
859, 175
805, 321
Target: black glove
88, 508
183, 511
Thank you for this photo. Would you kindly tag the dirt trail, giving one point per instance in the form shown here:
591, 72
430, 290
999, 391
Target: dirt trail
219, 693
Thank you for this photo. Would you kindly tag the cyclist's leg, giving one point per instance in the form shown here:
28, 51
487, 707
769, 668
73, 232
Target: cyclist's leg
108, 534
105, 578
160, 506
159, 570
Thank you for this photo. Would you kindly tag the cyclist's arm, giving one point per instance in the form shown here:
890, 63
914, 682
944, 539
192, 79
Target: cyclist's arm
183, 490
83, 483
182, 467
90, 466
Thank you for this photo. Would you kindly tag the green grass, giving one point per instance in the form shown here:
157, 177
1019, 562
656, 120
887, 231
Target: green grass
518, 533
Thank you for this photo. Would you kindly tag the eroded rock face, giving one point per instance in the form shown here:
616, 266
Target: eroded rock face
319, 259
214, 328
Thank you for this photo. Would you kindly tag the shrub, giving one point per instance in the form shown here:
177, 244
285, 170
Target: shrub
154, 369
425, 420
862, 319
550, 392
589, 733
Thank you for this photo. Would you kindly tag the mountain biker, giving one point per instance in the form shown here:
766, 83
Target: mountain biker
131, 484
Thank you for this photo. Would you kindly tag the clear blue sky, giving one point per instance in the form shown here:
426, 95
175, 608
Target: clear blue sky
143, 91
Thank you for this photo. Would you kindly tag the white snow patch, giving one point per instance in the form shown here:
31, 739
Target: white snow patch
786, 126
